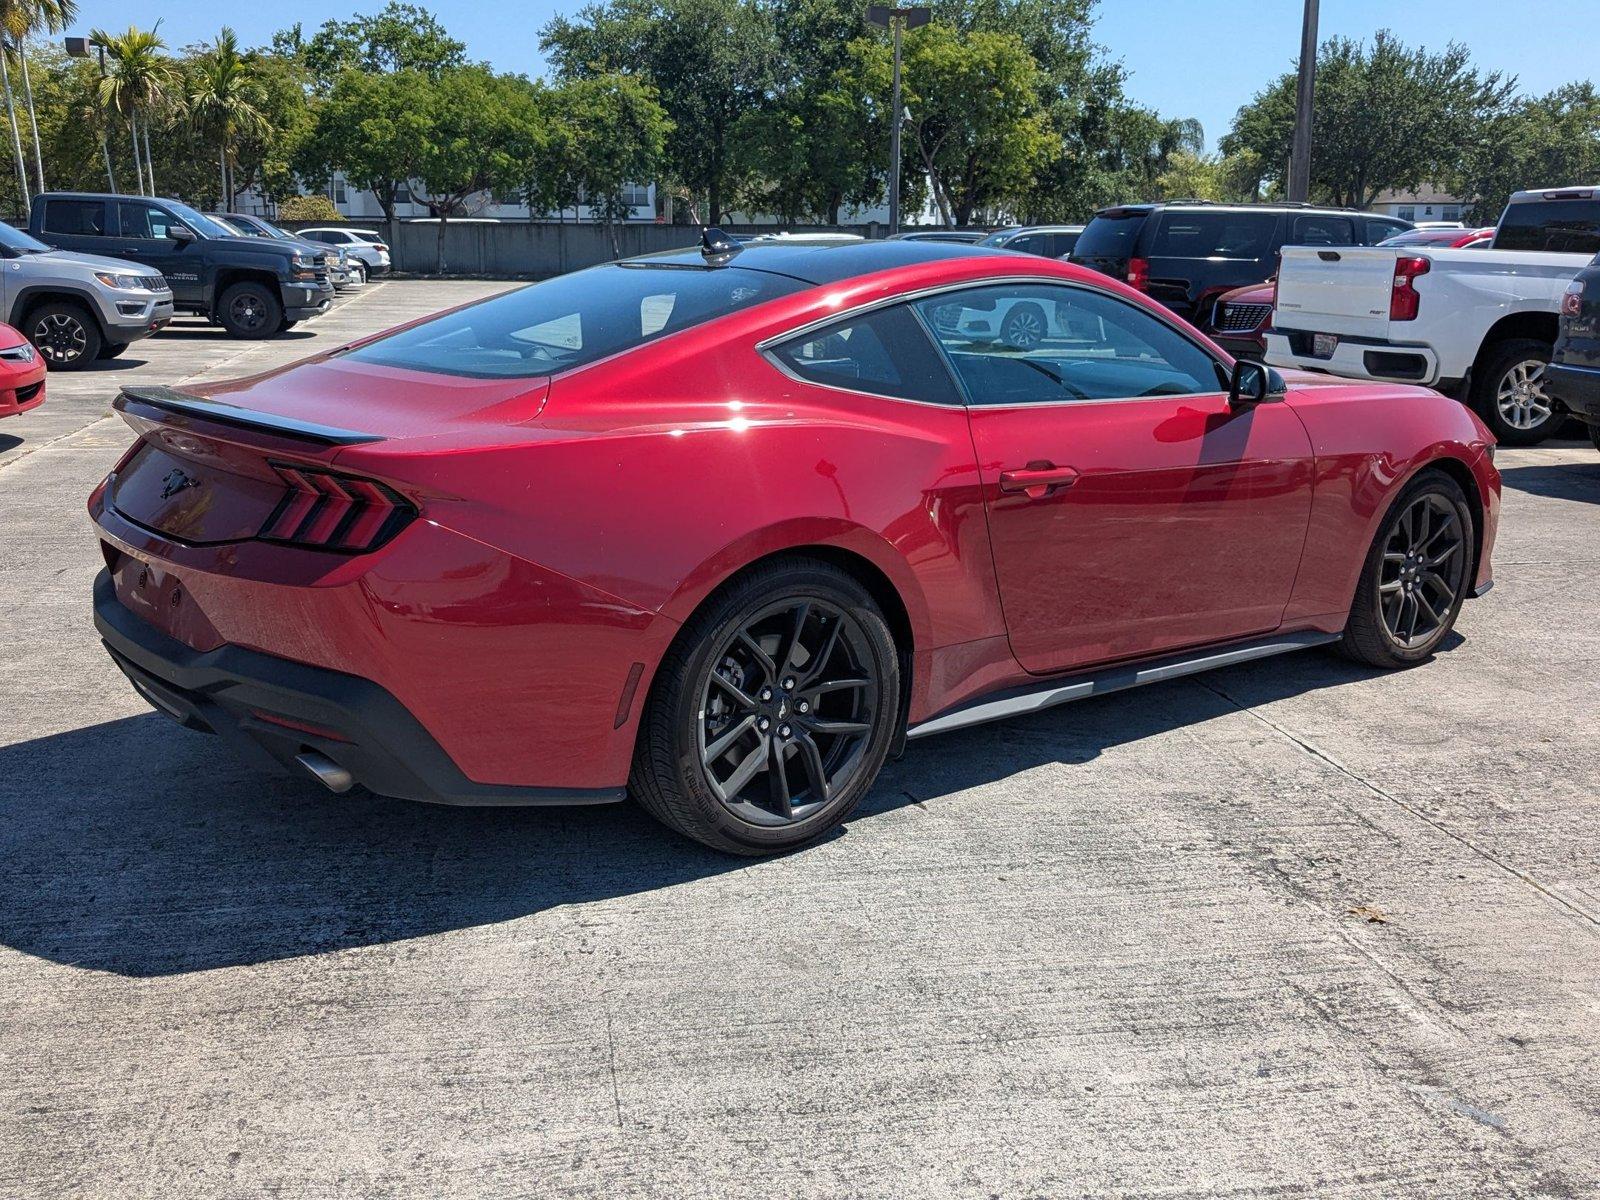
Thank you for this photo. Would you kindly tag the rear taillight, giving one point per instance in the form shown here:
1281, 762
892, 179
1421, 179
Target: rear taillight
1572, 299
1403, 298
1139, 273
380, 247
328, 511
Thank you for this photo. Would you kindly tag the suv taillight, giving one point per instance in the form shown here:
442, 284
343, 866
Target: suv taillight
1139, 273
328, 511
1572, 299
1403, 298
380, 247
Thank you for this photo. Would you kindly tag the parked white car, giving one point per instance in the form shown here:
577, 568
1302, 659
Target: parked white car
1479, 324
365, 247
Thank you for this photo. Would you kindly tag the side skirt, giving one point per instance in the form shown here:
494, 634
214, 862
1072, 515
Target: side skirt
1029, 698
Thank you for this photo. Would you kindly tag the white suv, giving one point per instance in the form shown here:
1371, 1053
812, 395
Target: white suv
365, 247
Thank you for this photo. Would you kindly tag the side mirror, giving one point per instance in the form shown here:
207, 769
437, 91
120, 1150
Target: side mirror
1254, 383
181, 234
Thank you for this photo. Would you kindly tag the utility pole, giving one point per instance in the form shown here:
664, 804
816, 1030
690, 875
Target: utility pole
896, 20
1300, 154
78, 47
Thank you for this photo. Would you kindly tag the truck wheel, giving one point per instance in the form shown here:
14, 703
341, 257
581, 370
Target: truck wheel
1594, 434
1509, 393
286, 324
65, 335
249, 310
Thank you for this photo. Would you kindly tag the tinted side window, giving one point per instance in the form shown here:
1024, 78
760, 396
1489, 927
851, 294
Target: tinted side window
1314, 230
884, 352
145, 221
77, 218
1378, 231
312, 235
1110, 235
1236, 235
1092, 346
1564, 226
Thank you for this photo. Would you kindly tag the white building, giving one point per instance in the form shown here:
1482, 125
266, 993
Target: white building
1425, 204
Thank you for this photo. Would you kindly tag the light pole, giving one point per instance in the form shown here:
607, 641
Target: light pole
78, 47
896, 20
1300, 152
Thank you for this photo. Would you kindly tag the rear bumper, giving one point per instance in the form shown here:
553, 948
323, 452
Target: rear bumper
1356, 358
1576, 387
272, 709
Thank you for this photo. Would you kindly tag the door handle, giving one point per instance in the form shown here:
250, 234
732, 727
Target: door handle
1037, 479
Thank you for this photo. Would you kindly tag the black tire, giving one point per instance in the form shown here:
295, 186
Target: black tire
1416, 589
66, 336
1025, 327
250, 310
360, 273
1509, 393
676, 769
1594, 434
286, 324
113, 349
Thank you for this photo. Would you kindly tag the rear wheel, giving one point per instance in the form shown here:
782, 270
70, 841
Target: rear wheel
249, 310
65, 335
1024, 327
1509, 393
772, 714
1415, 577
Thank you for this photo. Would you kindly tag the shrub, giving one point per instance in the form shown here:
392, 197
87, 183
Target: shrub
308, 208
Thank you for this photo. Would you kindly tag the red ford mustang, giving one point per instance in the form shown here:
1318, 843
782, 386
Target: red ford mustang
723, 527
22, 373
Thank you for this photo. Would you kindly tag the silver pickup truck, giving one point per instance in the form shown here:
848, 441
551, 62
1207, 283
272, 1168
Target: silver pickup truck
77, 308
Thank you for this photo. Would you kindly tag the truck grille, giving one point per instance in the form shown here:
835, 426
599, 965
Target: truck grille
1240, 318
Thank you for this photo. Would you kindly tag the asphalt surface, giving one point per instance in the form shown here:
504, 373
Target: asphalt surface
1291, 929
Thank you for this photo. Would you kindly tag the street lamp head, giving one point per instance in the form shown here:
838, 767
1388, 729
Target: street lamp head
883, 14
77, 47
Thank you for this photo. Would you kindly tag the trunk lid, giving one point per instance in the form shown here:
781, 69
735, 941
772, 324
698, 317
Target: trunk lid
1344, 290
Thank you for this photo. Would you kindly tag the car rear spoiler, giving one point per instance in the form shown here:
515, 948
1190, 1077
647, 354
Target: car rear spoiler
183, 404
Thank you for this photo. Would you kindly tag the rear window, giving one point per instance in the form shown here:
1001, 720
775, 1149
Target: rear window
1563, 226
75, 218
1214, 235
573, 319
1110, 235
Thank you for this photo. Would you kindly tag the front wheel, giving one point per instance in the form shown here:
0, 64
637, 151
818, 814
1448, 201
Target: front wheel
1416, 576
773, 712
250, 310
66, 337
1510, 395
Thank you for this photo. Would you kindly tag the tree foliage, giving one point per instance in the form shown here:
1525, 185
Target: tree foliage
1538, 141
402, 37
1386, 117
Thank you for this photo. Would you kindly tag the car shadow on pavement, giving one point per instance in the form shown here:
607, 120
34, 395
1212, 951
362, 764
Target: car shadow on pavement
1559, 481
139, 848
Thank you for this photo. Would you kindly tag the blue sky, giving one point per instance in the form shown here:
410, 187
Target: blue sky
1200, 58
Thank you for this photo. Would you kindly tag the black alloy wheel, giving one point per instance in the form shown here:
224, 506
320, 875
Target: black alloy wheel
772, 713
787, 712
250, 310
65, 336
1416, 576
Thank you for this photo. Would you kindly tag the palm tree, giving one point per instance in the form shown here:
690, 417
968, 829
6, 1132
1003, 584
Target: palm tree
224, 100
136, 84
19, 19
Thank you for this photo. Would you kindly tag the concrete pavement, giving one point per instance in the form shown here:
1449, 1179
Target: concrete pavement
1295, 928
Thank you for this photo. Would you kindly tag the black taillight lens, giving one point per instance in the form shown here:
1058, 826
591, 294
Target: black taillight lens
327, 510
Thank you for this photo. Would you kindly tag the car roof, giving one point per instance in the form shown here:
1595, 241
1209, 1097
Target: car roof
1209, 206
816, 264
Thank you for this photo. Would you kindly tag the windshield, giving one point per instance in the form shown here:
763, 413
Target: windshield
1562, 226
199, 222
18, 242
573, 319
1109, 235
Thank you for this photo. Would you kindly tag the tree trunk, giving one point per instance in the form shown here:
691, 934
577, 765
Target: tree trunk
149, 163
714, 201
133, 131
16, 136
439, 267
27, 92
222, 190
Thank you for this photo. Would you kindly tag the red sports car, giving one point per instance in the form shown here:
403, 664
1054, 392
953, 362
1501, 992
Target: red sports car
22, 374
724, 527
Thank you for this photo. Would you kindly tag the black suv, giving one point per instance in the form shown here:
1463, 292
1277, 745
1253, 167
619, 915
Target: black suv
252, 287
1186, 253
1573, 376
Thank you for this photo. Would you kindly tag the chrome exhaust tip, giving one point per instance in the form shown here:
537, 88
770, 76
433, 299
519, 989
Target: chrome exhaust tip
326, 772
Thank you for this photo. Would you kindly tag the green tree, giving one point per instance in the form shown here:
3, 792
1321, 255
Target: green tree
1386, 117
612, 133
137, 84
371, 127
1552, 139
480, 130
20, 20
224, 101
974, 123
711, 63
402, 37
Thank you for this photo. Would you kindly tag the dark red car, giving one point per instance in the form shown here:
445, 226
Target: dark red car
724, 528
22, 373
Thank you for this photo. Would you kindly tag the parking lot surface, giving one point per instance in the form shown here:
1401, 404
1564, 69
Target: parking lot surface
1296, 928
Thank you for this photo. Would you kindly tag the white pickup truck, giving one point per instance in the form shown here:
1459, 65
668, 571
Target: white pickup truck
1478, 324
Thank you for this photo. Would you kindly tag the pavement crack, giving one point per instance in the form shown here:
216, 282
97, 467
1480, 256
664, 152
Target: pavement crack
1590, 918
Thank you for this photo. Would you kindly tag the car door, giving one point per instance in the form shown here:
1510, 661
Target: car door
1131, 510
146, 237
